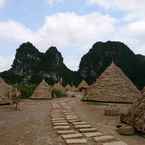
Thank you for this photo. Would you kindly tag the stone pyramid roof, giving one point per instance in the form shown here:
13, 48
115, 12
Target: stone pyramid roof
83, 84
113, 86
43, 90
4, 92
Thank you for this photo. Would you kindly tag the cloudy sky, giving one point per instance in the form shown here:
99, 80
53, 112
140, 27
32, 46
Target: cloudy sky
70, 25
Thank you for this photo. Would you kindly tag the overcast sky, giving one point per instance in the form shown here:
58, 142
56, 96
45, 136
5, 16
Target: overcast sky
73, 26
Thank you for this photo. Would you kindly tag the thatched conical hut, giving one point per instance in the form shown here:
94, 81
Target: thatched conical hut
58, 86
68, 88
42, 91
5, 91
83, 84
113, 86
58, 90
73, 89
136, 114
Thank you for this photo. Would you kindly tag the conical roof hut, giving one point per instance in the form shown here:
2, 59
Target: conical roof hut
5, 90
143, 91
113, 86
42, 91
58, 86
136, 115
68, 87
83, 84
73, 88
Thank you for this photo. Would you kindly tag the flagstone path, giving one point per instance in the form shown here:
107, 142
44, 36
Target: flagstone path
75, 131
63, 121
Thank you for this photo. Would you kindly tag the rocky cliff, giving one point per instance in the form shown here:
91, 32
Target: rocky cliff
31, 66
102, 54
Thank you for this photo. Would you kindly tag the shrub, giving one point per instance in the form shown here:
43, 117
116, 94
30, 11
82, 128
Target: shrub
58, 93
26, 90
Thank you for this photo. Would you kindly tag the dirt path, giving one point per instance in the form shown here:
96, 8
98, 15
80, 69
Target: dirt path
32, 125
94, 114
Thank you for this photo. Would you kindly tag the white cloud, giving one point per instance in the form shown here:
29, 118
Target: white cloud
127, 5
14, 31
73, 30
132, 9
5, 63
74, 34
2, 3
51, 2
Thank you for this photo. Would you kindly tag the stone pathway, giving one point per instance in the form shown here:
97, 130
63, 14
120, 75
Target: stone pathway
75, 131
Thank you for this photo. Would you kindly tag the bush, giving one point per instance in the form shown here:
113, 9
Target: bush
84, 98
26, 90
58, 93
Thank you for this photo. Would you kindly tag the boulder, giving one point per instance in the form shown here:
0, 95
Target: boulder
125, 130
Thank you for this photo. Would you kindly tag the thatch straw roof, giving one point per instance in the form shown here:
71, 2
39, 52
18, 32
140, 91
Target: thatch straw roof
42, 91
83, 84
5, 90
73, 88
136, 115
68, 88
58, 86
113, 86
143, 91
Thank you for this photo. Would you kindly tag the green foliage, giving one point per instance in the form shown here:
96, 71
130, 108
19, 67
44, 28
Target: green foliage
58, 93
26, 90
101, 56
31, 66
84, 98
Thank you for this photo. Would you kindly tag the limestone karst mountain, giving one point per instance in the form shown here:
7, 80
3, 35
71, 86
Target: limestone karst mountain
30, 65
42, 91
5, 91
101, 55
113, 86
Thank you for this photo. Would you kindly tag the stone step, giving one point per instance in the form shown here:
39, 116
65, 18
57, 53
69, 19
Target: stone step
62, 127
59, 121
55, 119
93, 134
87, 130
66, 131
71, 117
60, 124
115, 143
73, 120
80, 123
104, 138
70, 136
81, 141
82, 126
